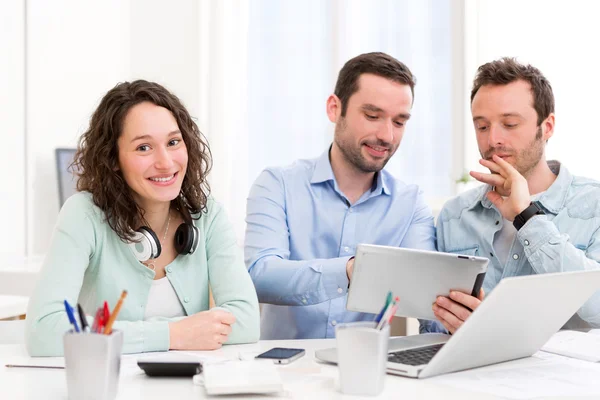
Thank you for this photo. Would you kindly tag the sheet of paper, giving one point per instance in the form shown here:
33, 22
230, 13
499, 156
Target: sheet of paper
574, 344
543, 375
235, 377
128, 361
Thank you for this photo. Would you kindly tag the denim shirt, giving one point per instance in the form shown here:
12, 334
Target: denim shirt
567, 238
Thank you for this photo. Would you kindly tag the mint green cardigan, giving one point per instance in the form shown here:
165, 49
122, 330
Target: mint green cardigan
88, 263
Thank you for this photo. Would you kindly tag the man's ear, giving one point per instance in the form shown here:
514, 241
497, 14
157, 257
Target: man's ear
548, 127
334, 108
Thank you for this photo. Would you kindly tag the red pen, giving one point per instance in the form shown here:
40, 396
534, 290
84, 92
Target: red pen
106, 312
97, 326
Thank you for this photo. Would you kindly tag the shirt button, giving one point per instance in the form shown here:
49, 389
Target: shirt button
169, 269
334, 322
515, 256
526, 242
186, 299
347, 249
304, 301
350, 210
340, 290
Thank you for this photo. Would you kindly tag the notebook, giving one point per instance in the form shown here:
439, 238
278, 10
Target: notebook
237, 377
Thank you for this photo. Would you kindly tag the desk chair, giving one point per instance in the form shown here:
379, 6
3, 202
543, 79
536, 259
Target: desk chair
65, 177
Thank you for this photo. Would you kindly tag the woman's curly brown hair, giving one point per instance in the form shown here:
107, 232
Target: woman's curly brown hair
97, 158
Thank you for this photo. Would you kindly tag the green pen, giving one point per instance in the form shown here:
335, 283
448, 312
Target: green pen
388, 300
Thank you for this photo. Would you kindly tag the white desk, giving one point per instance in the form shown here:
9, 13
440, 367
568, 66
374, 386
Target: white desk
12, 306
303, 379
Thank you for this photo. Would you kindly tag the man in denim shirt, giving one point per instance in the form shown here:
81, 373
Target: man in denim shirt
305, 220
531, 216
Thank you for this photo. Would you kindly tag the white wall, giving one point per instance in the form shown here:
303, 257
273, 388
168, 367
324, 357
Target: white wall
12, 118
561, 39
76, 51
164, 39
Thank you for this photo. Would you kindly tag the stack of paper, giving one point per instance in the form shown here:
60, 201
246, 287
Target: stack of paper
236, 377
584, 346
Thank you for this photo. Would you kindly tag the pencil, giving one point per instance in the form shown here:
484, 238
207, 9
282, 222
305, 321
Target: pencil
113, 315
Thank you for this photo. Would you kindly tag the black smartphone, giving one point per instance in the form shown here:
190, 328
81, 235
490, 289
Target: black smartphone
158, 368
282, 355
478, 284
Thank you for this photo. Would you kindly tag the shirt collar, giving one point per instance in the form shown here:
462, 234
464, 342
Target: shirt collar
323, 173
382, 184
552, 199
555, 197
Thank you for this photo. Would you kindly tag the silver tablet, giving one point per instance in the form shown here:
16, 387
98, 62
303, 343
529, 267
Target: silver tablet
416, 276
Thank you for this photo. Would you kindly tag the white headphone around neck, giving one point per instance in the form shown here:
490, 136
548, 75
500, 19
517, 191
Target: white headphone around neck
146, 246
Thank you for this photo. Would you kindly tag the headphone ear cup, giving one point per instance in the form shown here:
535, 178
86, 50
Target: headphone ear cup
186, 239
145, 245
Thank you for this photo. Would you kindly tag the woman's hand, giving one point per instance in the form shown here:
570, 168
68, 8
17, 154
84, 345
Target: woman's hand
206, 330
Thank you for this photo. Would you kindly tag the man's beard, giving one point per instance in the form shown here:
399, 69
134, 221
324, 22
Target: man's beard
525, 160
354, 154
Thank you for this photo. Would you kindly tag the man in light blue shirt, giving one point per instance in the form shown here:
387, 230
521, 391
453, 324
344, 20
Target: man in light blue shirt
305, 220
531, 216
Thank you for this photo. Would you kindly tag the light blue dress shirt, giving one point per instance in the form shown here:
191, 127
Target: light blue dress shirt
567, 238
301, 231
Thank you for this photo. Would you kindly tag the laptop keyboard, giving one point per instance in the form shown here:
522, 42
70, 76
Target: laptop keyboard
419, 356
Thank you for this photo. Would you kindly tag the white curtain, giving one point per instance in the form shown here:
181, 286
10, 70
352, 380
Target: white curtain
223, 113
267, 67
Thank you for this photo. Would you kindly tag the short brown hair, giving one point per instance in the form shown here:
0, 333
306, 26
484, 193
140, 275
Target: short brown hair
507, 70
97, 158
379, 64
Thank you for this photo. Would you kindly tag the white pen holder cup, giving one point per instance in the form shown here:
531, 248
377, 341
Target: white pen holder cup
92, 364
362, 357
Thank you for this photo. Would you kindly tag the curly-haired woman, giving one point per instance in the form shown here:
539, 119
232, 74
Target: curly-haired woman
144, 222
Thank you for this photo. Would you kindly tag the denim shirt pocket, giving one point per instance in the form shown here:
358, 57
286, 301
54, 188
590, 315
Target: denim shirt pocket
467, 251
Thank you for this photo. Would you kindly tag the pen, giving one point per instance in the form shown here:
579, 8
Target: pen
382, 320
106, 313
392, 313
97, 318
389, 312
388, 300
71, 316
33, 366
84, 325
113, 315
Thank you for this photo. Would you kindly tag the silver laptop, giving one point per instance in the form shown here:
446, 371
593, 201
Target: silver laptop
514, 321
